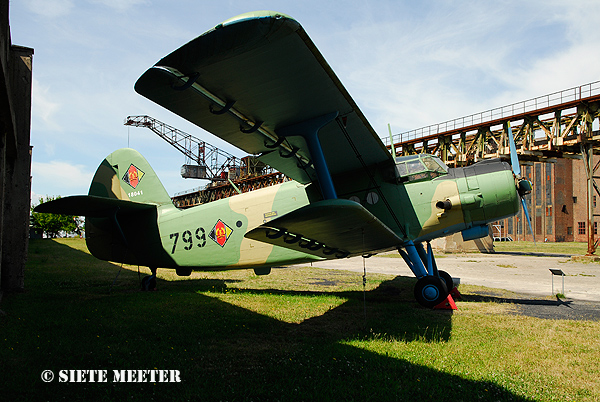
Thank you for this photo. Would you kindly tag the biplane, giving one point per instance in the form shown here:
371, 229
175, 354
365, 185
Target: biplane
258, 82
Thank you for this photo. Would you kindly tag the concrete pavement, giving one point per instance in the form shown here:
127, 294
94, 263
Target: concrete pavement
516, 272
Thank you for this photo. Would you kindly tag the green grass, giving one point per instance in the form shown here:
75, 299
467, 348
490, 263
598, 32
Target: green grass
297, 334
570, 248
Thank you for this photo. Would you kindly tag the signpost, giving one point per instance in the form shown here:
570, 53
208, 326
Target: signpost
561, 273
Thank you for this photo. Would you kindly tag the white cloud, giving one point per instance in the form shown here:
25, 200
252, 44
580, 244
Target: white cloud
43, 109
59, 178
444, 61
50, 8
35, 198
121, 5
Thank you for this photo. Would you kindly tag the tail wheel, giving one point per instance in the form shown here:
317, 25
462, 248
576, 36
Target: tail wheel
149, 282
430, 291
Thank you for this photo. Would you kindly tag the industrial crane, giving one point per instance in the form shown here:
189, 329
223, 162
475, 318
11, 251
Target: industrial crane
211, 163
228, 174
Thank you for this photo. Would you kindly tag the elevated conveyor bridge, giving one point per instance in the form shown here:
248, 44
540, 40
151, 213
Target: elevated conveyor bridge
548, 127
559, 125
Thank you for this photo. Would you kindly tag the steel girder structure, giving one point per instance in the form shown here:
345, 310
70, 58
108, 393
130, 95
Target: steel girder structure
558, 125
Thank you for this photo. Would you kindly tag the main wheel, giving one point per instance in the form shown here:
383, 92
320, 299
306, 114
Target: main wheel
447, 279
430, 291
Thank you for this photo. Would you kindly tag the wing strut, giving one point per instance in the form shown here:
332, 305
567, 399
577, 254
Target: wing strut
377, 187
309, 130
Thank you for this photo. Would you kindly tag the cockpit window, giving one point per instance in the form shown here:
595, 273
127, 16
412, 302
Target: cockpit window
401, 169
434, 163
419, 167
415, 166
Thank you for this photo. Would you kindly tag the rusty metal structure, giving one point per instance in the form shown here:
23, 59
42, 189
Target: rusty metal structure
557, 125
203, 195
228, 174
204, 161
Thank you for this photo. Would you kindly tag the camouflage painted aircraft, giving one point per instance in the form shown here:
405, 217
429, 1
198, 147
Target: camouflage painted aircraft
258, 82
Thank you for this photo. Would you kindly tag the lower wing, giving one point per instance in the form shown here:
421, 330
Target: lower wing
332, 228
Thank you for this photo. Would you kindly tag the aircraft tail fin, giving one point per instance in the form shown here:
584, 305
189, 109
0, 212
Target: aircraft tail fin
126, 175
120, 210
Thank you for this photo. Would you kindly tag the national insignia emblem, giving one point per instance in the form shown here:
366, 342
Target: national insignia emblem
220, 233
133, 176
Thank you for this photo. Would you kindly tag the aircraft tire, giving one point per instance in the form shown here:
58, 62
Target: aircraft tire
149, 282
430, 291
447, 279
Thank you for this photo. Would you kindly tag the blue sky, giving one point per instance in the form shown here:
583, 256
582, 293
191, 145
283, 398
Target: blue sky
407, 63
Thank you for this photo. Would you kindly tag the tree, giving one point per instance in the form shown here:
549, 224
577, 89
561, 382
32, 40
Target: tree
54, 224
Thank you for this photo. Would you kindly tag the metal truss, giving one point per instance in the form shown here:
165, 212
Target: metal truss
558, 125
544, 128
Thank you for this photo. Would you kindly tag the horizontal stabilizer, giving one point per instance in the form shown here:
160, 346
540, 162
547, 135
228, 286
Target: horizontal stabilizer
330, 229
89, 205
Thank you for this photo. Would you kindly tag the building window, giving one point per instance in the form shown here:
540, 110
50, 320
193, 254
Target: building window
574, 200
569, 230
595, 228
548, 184
594, 201
581, 227
538, 184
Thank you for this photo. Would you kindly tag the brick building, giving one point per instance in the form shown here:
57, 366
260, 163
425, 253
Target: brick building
557, 204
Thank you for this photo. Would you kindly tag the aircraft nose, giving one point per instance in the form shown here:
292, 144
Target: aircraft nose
492, 182
501, 197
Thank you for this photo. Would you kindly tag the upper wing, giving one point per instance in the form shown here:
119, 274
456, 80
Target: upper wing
250, 78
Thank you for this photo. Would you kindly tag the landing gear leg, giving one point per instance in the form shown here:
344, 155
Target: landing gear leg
149, 281
433, 286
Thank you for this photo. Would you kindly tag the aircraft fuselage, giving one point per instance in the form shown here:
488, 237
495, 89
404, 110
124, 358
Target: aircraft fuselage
426, 204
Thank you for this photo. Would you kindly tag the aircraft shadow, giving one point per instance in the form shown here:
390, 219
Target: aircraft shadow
389, 309
552, 309
321, 352
532, 254
228, 352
